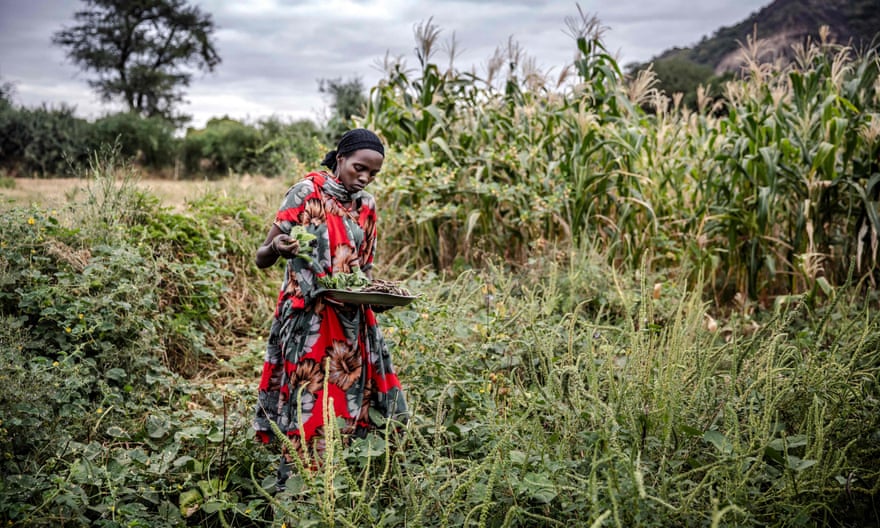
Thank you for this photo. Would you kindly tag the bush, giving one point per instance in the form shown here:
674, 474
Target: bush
147, 140
43, 141
285, 143
269, 147
224, 145
54, 142
130, 272
100, 305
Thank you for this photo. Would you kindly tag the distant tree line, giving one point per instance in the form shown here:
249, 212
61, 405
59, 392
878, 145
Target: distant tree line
142, 54
53, 141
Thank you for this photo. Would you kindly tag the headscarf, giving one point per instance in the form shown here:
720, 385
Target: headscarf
355, 139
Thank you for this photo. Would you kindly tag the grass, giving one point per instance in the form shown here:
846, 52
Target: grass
565, 393
172, 193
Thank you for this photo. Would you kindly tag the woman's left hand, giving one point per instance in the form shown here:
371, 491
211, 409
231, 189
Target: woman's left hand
286, 246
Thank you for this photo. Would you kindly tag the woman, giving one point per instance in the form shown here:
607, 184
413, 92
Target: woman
326, 359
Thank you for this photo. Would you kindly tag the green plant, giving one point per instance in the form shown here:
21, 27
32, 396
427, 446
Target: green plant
7, 182
149, 141
770, 191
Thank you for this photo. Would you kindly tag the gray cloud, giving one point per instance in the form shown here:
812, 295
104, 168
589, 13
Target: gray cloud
274, 51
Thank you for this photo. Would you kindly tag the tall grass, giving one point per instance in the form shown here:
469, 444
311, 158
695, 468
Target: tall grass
566, 392
627, 412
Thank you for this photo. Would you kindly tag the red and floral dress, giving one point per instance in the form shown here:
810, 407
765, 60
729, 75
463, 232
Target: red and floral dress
325, 360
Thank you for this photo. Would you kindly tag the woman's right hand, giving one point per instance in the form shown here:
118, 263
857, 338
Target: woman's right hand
285, 245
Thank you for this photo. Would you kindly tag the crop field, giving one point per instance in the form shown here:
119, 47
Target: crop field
631, 314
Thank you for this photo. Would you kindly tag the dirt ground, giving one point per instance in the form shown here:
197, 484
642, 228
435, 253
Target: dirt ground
173, 193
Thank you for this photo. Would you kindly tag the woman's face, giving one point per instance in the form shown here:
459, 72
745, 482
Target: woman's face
358, 169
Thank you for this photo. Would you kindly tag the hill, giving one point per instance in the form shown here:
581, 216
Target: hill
783, 24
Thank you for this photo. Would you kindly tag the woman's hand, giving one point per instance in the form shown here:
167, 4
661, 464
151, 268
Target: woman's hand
285, 246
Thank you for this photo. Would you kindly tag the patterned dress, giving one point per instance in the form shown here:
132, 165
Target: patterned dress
324, 360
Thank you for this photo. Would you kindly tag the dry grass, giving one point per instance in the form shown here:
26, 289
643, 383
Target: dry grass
173, 193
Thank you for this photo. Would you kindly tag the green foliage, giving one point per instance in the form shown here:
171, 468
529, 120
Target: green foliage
480, 171
91, 287
774, 190
148, 141
42, 141
346, 100
226, 144
801, 174
566, 392
345, 281
679, 75
101, 304
48, 142
564, 369
286, 143
270, 147
53, 142
141, 53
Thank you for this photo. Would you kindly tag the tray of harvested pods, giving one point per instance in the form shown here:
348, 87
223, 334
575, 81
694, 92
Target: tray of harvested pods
379, 292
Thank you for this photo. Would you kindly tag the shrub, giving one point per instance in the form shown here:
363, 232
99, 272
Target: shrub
268, 147
97, 302
43, 141
149, 141
224, 145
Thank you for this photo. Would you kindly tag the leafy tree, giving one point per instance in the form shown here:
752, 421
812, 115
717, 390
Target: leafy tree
346, 99
681, 75
141, 51
149, 141
6, 91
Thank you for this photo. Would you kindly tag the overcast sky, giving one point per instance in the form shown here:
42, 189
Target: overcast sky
274, 51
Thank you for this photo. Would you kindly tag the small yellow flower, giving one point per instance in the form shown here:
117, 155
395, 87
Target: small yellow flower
54, 363
81, 316
31, 221
67, 329
54, 212
424, 316
99, 411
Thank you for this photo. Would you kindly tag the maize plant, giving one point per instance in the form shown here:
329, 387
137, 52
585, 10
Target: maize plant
773, 189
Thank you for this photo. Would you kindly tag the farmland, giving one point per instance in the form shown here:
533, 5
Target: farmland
631, 314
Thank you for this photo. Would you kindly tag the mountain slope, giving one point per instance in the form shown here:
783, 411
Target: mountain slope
781, 25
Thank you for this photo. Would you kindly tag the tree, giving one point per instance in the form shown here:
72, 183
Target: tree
346, 99
676, 74
142, 51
